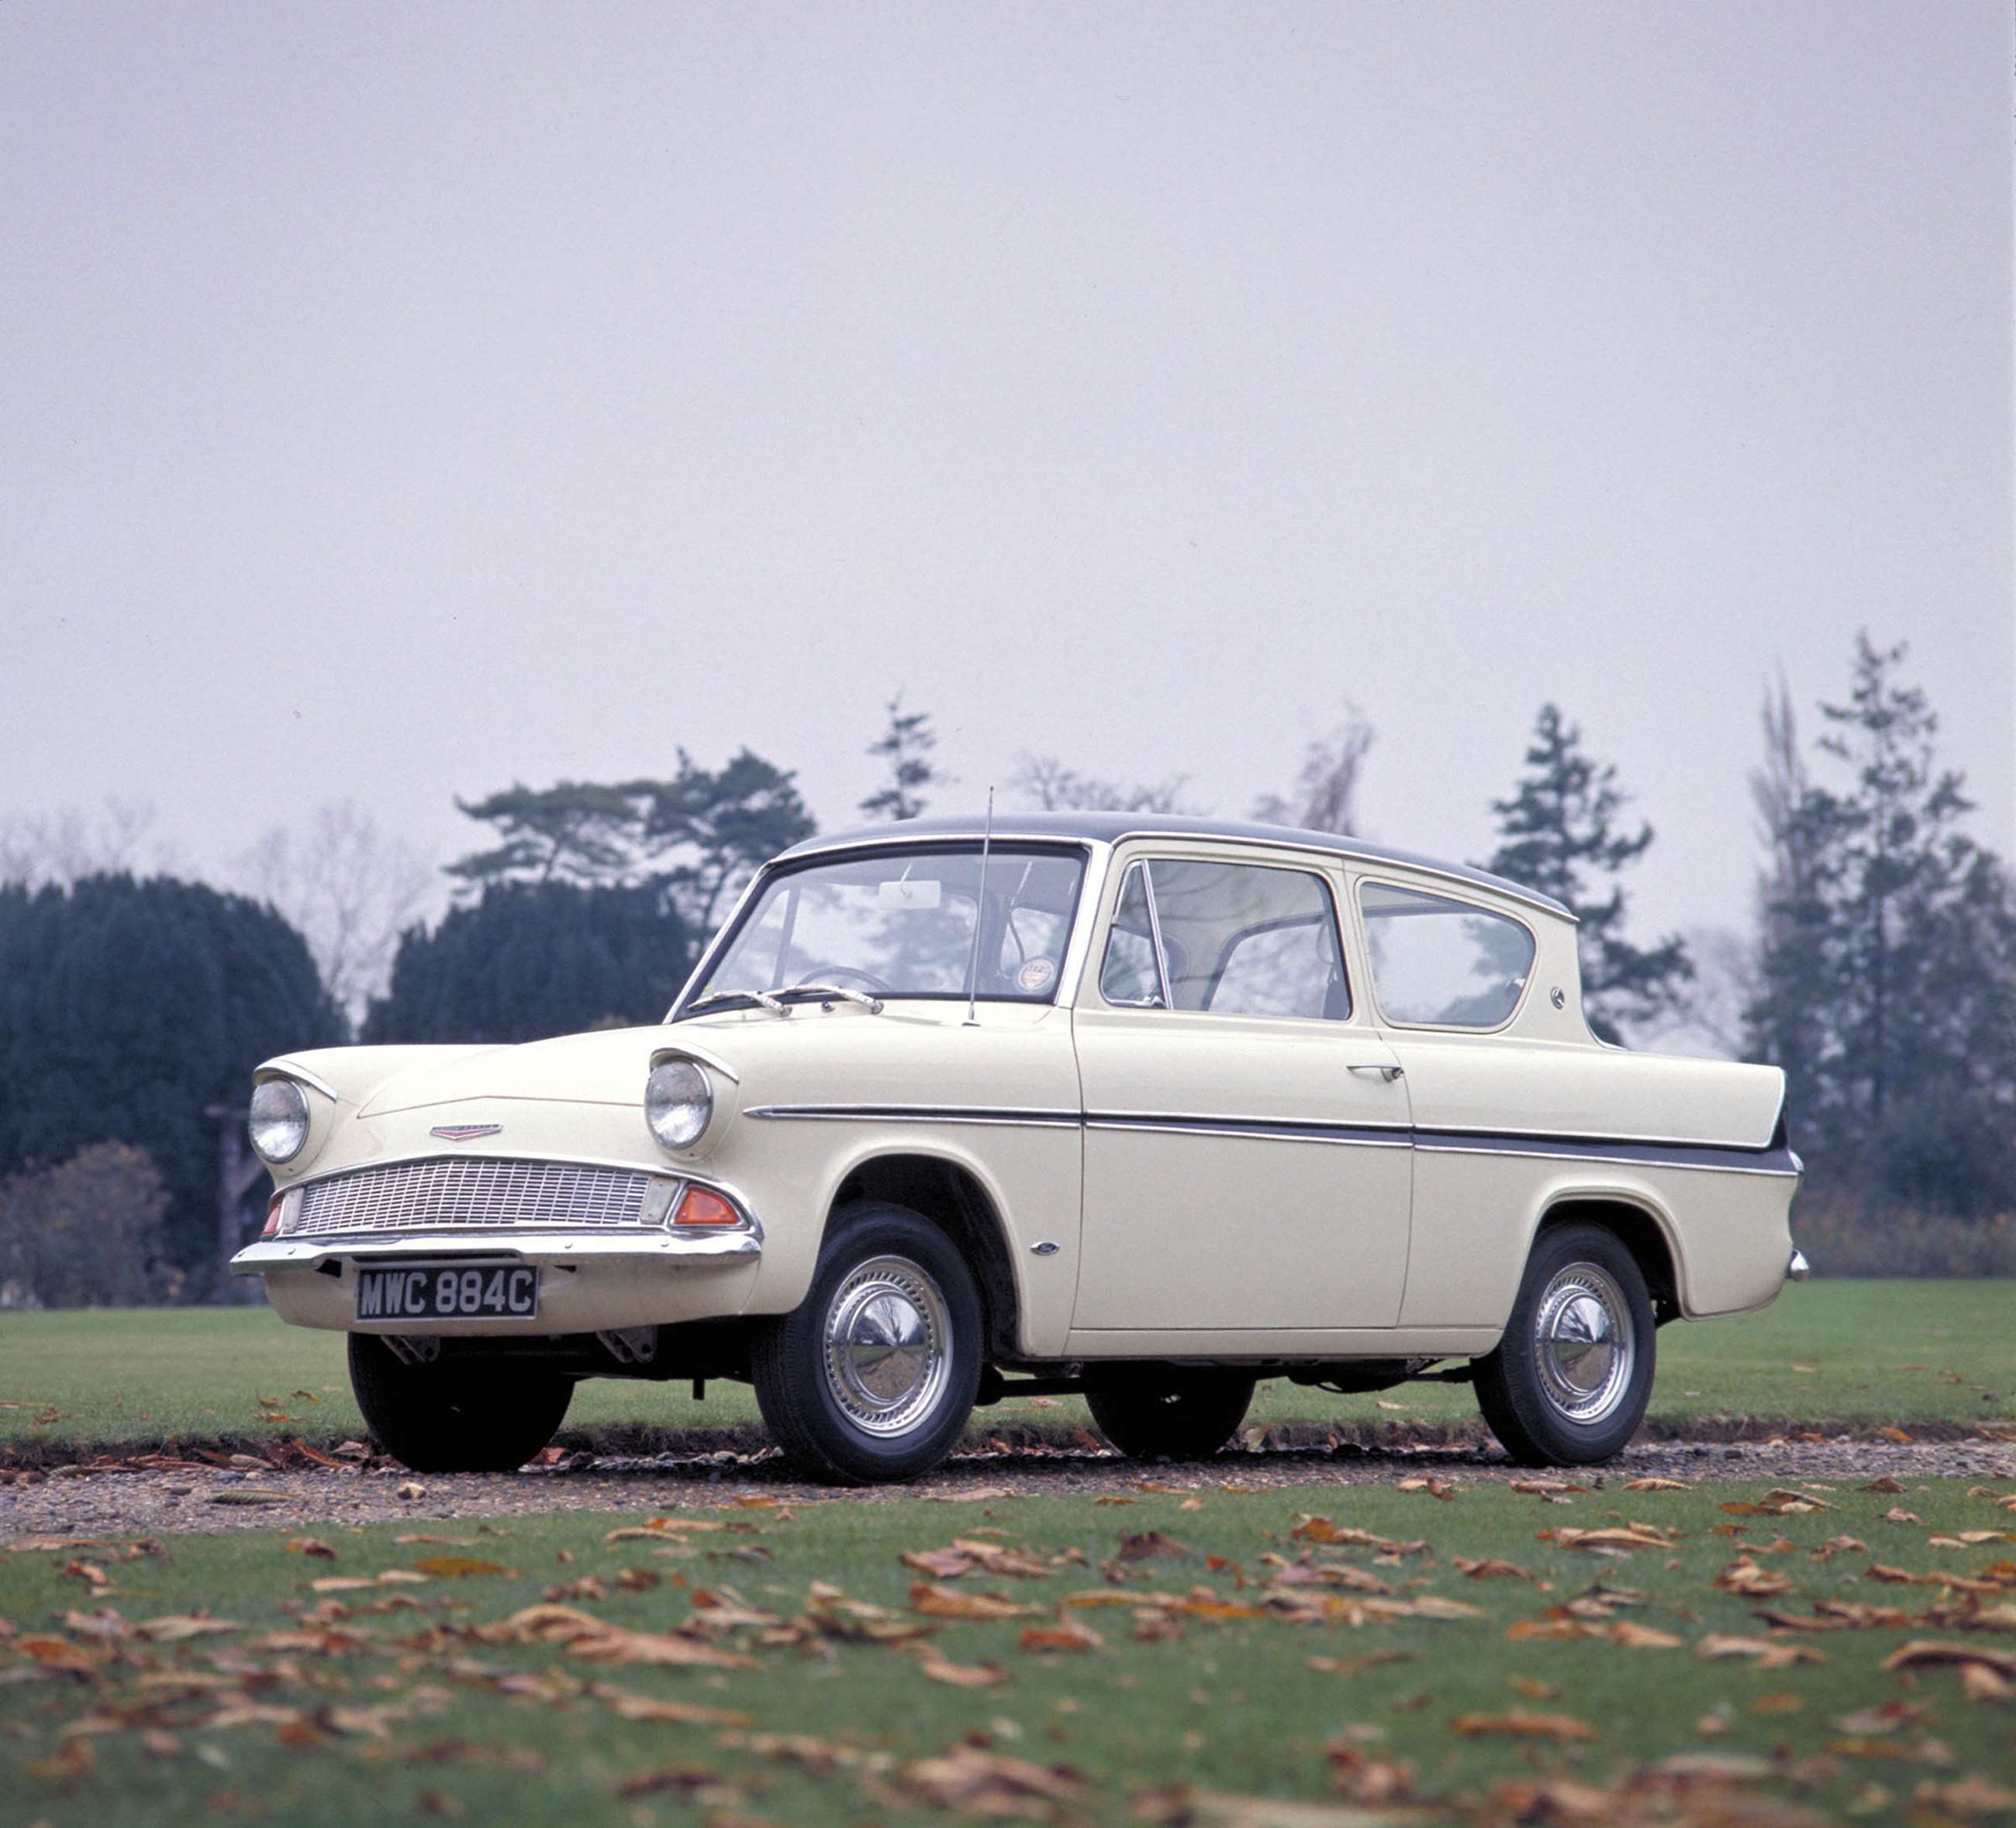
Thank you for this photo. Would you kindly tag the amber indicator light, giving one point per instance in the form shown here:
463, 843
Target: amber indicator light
701, 1208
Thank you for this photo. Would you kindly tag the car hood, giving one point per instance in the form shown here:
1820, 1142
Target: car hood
608, 1067
810, 1052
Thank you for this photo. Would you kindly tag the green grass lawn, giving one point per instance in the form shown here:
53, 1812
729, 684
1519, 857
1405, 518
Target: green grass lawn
1366, 1674
1849, 1351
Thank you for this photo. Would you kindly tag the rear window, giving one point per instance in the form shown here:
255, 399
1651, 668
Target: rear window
1442, 964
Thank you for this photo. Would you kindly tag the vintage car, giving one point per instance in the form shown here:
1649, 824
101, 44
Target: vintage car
950, 1110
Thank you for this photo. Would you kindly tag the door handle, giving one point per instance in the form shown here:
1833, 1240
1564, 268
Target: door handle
1388, 1073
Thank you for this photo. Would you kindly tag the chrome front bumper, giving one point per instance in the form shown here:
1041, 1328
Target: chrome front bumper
590, 1283
1798, 1269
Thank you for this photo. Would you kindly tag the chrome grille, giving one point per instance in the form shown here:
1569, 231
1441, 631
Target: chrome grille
471, 1194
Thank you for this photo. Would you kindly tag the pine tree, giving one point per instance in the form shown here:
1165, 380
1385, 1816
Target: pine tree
1888, 966
574, 831
710, 829
906, 746
1559, 834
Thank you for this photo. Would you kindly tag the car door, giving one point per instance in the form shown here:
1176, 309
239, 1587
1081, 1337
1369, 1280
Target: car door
1446, 977
1246, 1149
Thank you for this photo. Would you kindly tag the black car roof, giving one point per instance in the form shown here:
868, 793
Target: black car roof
1111, 827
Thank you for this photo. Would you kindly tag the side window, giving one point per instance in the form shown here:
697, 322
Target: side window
1443, 963
1130, 974
1230, 939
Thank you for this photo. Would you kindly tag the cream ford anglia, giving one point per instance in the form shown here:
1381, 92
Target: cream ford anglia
1144, 1108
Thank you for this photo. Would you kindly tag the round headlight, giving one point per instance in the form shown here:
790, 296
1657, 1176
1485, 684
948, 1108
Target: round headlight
279, 1120
677, 1102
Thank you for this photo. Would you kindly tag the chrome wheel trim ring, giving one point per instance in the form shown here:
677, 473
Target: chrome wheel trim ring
886, 1346
1583, 1343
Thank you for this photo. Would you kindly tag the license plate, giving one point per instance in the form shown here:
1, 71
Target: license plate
449, 1291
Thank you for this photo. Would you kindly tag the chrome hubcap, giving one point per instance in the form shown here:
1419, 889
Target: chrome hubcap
888, 1346
1582, 1340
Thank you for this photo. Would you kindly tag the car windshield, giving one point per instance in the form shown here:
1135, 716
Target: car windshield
900, 923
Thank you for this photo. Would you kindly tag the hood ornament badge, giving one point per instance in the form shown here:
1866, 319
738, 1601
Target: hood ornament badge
463, 1132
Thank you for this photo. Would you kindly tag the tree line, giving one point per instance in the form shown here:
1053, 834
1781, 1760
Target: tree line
1880, 971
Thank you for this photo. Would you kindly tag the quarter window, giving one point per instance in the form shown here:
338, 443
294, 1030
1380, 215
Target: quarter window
1227, 939
1440, 963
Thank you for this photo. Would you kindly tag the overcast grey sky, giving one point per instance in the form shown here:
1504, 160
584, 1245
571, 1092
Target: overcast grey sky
397, 401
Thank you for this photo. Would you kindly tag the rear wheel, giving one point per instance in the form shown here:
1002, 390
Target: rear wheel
1170, 1412
452, 1416
871, 1378
1569, 1382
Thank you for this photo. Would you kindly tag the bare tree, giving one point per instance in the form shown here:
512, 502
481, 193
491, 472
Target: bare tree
1778, 789
73, 841
1326, 795
349, 887
1048, 786
1709, 1022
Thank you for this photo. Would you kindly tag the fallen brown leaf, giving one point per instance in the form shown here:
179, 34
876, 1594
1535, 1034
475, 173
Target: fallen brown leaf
1768, 1653
1353, 1665
70, 1763
1067, 1634
627, 1705
1745, 1578
1523, 1723
596, 1640
1934, 1653
1971, 1795
989, 1784
938, 1602
178, 1630
960, 1675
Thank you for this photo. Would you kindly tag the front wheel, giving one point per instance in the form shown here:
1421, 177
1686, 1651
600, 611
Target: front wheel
1569, 1382
453, 1416
1169, 1412
871, 1378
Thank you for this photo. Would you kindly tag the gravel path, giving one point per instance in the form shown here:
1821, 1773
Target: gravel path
76, 1501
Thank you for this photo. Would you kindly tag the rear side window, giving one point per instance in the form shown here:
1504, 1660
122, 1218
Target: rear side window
1225, 939
1443, 964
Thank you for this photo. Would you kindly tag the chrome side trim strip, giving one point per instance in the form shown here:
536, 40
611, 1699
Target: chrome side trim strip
1356, 1136
1721, 1158
917, 1114
1712, 1157
1572, 1137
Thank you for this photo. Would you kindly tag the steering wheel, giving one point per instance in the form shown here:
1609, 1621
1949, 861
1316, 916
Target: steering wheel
837, 974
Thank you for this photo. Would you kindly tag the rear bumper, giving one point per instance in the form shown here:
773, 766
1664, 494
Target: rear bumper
589, 1283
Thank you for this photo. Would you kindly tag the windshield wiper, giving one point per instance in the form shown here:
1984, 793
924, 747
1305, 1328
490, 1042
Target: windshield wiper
872, 1004
723, 998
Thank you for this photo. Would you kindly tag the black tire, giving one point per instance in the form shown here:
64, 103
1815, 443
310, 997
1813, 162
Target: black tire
843, 1415
452, 1416
1550, 1404
1170, 1412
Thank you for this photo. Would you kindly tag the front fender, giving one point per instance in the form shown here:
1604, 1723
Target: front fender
793, 1167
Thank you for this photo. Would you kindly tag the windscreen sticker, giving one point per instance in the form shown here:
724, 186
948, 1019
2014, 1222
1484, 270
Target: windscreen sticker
1036, 974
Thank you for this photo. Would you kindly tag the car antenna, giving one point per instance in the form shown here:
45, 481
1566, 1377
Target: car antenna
979, 913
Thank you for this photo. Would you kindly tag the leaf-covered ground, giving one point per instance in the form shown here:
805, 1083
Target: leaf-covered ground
1846, 1352
1660, 1652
